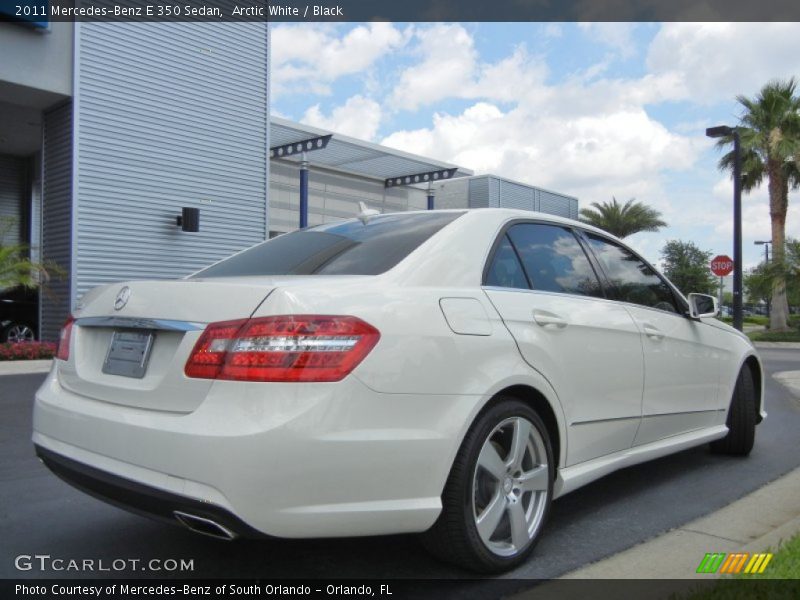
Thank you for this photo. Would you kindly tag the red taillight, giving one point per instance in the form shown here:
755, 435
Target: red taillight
285, 348
64, 339
209, 352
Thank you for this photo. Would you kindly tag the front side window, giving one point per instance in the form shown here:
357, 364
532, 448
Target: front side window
554, 260
633, 280
344, 248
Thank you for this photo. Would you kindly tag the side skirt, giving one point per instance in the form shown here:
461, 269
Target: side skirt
575, 476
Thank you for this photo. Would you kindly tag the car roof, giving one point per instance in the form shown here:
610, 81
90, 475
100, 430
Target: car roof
510, 214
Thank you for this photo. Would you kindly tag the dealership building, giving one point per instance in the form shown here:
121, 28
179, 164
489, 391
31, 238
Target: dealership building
111, 131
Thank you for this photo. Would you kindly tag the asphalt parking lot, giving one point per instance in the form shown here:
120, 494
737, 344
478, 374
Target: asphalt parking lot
39, 514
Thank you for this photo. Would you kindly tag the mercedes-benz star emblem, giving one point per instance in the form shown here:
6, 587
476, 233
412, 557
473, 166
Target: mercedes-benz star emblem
122, 298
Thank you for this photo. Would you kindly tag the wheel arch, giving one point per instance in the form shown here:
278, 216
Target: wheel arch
539, 403
752, 362
545, 406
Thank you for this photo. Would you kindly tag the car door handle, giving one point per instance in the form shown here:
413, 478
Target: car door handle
548, 319
652, 331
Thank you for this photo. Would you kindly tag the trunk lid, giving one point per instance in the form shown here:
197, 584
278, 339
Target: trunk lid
155, 323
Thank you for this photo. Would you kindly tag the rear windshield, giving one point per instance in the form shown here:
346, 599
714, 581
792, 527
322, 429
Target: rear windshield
342, 248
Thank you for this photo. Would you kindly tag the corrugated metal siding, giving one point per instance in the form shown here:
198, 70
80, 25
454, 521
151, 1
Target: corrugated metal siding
35, 224
482, 191
574, 210
514, 195
332, 196
557, 204
56, 216
479, 193
494, 192
169, 115
12, 195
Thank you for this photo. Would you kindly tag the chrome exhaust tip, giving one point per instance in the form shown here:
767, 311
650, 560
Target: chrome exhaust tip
204, 526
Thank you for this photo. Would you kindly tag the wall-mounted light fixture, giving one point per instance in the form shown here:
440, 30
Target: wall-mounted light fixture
189, 219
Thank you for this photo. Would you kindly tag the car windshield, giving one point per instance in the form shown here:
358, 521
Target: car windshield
349, 247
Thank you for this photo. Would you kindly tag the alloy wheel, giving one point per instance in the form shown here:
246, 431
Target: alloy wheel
20, 333
510, 486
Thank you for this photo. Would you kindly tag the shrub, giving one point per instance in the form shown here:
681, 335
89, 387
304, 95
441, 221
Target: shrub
27, 350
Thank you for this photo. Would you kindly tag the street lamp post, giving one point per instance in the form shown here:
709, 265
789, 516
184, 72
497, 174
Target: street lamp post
766, 244
725, 131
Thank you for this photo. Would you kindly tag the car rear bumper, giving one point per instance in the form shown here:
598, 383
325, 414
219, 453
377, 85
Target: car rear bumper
141, 499
284, 460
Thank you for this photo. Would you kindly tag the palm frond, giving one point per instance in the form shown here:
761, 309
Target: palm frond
622, 220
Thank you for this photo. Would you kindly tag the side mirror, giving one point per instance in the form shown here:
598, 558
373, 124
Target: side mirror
702, 305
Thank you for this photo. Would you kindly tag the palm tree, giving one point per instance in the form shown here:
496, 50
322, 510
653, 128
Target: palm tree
16, 269
622, 220
769, 130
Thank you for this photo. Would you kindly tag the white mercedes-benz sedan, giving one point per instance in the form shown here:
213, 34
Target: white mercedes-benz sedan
443, 372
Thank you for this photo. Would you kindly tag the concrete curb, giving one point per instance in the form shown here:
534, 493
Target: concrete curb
24, 367
758, 522
783, 345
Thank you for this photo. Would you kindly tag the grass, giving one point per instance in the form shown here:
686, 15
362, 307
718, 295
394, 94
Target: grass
757, 320
774, 336
786, 562
752, 320
765, 335
794, 320
784, 567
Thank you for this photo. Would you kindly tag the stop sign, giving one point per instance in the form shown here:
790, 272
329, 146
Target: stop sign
721, 265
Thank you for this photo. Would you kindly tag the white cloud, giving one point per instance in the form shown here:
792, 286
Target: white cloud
592, 138
448, 61
585, 134
450, 68
595, 156
710, 62
756, 223
311, 57
618, 36
359, 117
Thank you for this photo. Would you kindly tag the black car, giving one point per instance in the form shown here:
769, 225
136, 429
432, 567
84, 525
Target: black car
19, 315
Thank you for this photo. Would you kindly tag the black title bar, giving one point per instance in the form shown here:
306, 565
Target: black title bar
376, 589
39, 13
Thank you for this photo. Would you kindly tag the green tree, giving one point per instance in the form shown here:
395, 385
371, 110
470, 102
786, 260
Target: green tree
727, 298
687, 266
769, 130
758, 285
758, 282
622, 220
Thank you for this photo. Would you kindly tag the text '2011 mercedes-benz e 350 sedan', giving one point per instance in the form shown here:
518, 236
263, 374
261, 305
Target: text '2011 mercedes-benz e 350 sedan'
442, 372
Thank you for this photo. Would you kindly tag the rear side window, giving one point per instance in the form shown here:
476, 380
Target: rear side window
633, 280
554, 260
343, 248
506, 270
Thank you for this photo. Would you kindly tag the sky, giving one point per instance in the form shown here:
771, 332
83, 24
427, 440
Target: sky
593, 110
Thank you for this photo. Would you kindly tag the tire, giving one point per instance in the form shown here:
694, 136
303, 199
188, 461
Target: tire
741, 418
472, 490
18, 332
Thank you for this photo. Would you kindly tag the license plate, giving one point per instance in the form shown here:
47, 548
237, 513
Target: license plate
128, 353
